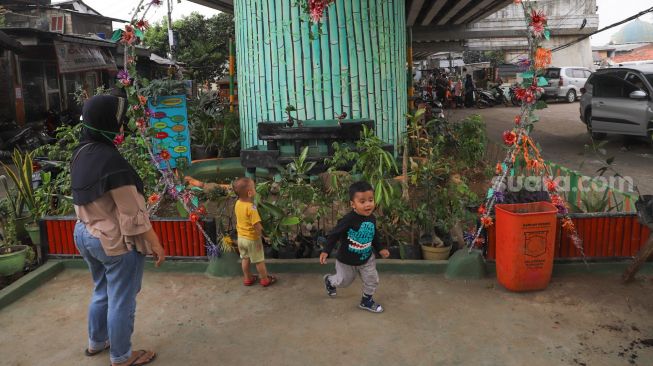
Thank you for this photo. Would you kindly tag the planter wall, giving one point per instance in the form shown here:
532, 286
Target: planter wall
354, 64
605, 235
179, 237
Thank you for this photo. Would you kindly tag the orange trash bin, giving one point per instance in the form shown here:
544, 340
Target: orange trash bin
525, 239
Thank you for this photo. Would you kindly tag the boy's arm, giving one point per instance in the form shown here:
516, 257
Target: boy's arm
256, 221
259, 229
376, 243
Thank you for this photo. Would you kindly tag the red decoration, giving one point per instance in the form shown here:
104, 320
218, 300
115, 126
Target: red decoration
194, 217
538, 22
487, 221
161, 135
482, 210
551, 185
142, 99
165, 155
509, 138
499, 169
154, 198
142, 24
518, 120
119, 139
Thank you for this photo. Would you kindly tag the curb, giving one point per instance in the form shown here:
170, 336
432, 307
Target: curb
29, 282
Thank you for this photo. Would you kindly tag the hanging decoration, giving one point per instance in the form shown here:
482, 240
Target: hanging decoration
522, 151
139, 115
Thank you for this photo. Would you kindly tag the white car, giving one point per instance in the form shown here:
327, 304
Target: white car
565, 82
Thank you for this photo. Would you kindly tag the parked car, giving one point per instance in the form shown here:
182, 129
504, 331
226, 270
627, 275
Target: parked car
565, 82
618, 100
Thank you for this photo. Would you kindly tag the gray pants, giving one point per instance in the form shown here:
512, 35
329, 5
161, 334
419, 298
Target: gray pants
345, 275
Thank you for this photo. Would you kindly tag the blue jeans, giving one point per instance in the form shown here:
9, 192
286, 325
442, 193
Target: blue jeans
117, 280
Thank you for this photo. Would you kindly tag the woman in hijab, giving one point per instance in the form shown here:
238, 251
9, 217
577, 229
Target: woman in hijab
113, 231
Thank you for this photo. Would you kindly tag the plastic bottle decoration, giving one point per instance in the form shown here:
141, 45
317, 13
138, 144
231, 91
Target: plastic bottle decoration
519, 144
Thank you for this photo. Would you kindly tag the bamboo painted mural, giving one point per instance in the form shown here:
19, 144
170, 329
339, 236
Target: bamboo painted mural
354, 62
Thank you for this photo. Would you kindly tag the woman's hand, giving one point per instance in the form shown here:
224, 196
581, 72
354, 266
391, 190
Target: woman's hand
158, 254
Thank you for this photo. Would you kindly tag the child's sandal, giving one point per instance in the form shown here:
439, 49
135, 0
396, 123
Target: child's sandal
251, 281
265, 282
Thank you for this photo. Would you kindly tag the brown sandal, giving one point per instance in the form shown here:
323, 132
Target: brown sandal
142, 353
90, 353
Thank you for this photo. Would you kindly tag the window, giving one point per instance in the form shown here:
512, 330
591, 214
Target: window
570, 73
578, 73
587, 73
552, 73
56, 24
608, 86
650, 78
636, 82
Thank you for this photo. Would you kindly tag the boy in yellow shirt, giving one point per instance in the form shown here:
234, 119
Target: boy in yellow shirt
250, 231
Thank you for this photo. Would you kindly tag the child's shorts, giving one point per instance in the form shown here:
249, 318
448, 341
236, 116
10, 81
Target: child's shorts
252, 249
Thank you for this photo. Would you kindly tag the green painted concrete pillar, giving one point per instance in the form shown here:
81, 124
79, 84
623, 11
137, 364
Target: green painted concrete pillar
355, 62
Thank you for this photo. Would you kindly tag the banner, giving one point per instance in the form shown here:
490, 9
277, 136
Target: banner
170, 123
73, 57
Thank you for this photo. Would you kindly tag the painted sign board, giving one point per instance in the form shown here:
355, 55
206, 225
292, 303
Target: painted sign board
170, 123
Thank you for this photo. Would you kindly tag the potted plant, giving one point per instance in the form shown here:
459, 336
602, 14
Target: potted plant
12, 259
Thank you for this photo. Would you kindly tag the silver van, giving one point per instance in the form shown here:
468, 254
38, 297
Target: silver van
565, 82
618, 101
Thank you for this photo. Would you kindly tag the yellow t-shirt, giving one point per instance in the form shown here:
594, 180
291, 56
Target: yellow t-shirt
246, 217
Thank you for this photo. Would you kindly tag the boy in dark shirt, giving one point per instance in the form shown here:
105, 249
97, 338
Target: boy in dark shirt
357, 234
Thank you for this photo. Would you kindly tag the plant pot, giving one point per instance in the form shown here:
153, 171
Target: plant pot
435, 253
200, 152
288, 252
410, 252
20, 223
12, 259
395, 252
34, 232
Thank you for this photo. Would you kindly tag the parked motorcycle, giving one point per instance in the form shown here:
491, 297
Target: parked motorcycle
512, 95
42, 165
490, 98
26, 138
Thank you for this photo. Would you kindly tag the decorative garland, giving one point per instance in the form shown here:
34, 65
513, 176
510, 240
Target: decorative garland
518, 141
139, 119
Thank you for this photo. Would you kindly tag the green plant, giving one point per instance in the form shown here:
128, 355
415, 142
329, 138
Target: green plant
276, 223
161, 87
375, 165
213, 126
470, 140
22, 179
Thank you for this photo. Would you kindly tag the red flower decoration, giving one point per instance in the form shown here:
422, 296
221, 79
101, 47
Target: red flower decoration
142, 99
201, 210
142, 24
194, 217
156, 2
482, 210
509, 138
119, 139
538, 22
517, 120
499, 169
154, 198
551, 185
478, 242
128, 36
165, 155
487, 221
140, 123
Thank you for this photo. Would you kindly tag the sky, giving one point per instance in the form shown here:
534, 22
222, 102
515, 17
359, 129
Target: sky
121, 9
612, 11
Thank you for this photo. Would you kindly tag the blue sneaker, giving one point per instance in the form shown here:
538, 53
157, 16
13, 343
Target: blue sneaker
367, 303
330, 289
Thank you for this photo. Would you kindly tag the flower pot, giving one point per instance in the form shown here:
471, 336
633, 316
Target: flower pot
12, 259
410, 251
200, 152
435, 253
34, 232
395, 252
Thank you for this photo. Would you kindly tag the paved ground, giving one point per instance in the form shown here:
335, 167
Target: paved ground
563, 136
197, 320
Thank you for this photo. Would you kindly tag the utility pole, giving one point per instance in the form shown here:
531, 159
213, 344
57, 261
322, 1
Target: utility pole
171, 34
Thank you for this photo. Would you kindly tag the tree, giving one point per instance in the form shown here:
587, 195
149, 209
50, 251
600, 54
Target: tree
203, 43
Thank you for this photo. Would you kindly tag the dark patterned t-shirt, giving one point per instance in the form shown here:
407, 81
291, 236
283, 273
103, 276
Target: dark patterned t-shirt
357, 236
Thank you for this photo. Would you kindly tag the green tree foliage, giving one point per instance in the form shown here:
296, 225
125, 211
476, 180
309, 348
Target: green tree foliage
203, 43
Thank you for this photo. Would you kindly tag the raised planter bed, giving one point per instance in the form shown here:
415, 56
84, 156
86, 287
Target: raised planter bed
179, 237
604, 235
